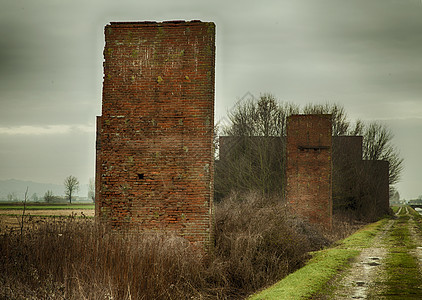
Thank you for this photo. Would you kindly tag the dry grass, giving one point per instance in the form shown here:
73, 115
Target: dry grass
256, 244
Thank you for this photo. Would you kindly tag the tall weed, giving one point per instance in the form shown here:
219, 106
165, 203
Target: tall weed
256, 244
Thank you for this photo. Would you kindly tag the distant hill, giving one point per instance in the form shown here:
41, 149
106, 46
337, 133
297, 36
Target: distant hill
17, 188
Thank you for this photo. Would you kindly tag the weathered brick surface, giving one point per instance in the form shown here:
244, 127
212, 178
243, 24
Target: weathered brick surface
375, 187
347, 149
154, 141
308, 168
360, 188
347, 162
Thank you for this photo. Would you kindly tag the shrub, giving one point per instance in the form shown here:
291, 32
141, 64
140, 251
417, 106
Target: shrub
259, 242
256, 244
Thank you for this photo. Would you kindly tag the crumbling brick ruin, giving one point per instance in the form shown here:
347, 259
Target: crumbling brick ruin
309, 168
376, 188
360, 188
154, 139
347, 158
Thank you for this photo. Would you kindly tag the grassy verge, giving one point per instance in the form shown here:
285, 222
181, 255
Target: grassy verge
402, 269
313, 278
417, 217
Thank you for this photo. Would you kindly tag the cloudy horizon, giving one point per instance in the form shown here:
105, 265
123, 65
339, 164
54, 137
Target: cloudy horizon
364, 55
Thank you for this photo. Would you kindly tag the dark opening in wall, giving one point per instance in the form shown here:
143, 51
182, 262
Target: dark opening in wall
141, 176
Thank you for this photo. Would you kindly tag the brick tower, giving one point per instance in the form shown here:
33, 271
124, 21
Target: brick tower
308, 169
154, 139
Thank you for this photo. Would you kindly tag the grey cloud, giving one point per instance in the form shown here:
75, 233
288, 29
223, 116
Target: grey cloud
49, 158
363, 54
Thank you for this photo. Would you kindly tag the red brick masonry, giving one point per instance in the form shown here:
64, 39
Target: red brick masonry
308, 168
154, 138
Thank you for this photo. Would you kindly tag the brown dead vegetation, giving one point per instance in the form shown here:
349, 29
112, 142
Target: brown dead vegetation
256, 243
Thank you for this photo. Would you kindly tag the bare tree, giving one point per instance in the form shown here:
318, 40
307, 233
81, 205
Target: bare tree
48, 196
377, 145
250, 161
71, 185
341, 124
22, 219
264, 117
252, 155
34, 197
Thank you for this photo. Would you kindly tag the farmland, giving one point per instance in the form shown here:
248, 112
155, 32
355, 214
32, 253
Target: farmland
11, 213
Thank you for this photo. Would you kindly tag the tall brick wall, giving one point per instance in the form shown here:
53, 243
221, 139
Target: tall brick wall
360, 188
347, 149
154, 139
347, 162
308, 168
375, 188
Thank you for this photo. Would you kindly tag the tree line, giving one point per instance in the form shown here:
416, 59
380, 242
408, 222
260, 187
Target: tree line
71, 188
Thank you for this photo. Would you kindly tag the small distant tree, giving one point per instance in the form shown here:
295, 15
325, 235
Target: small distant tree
12, 197
34, 197
394, 195
48, 196
91, 190
71, 184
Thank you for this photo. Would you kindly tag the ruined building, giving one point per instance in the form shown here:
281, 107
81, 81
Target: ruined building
319, 175
309, 168
154, 168
360, 186
155, 160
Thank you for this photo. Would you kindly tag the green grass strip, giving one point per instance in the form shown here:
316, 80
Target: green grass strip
363, 238
402, 268
323, 267
49, 216
310, 279
395, 208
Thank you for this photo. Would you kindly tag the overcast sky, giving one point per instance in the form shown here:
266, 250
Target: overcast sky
363, 54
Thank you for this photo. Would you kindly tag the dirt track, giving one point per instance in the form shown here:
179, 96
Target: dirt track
370, 274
